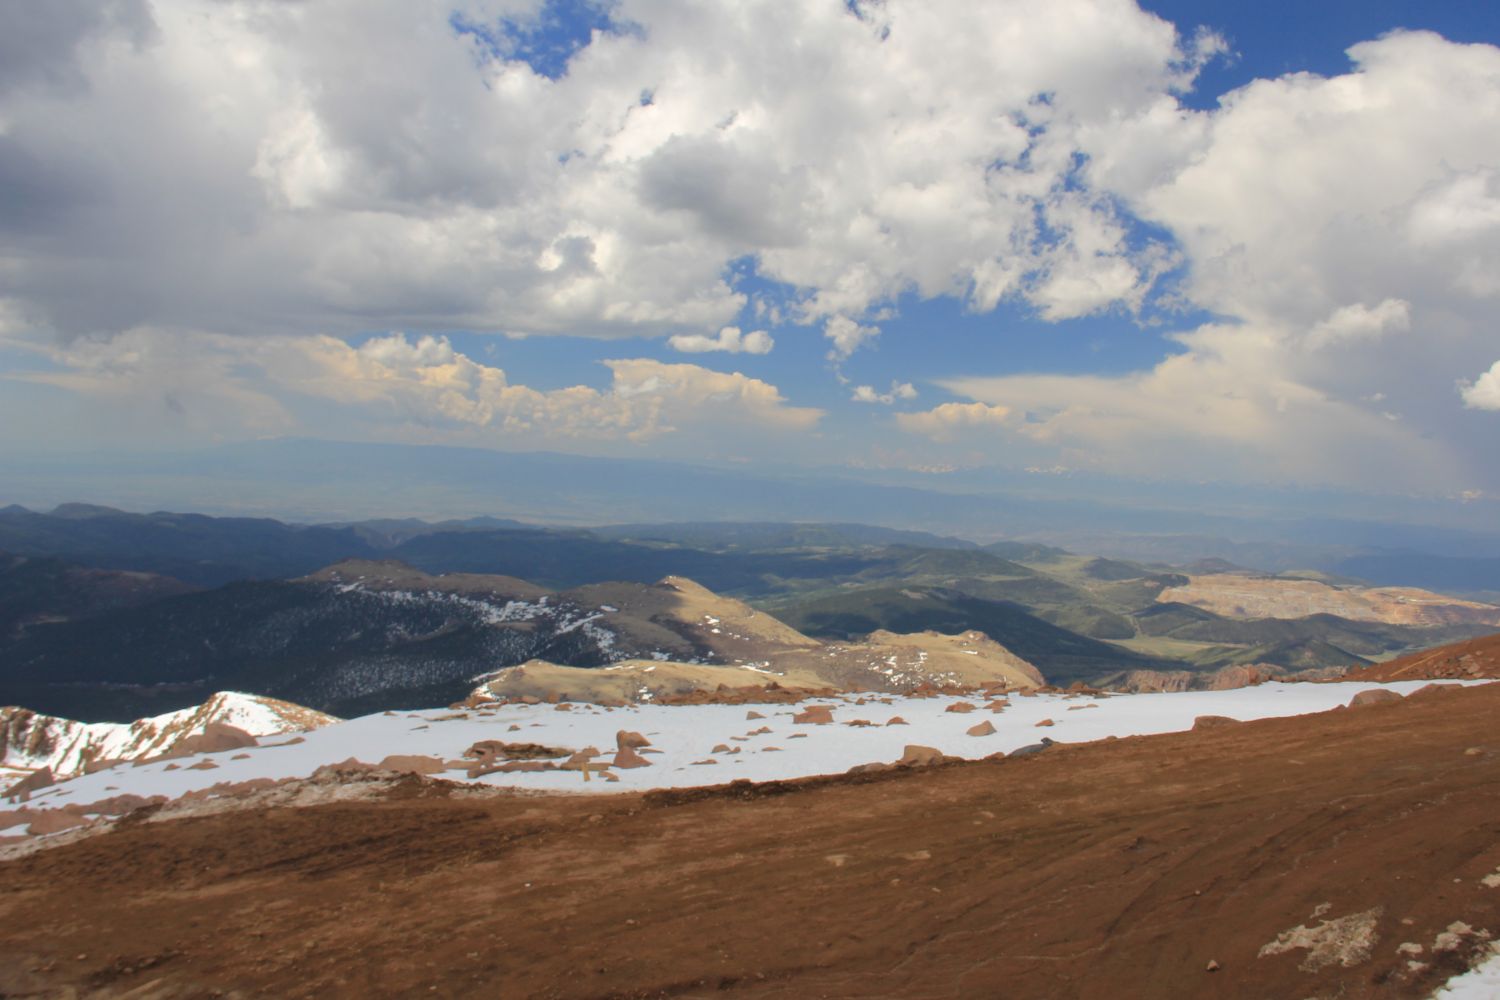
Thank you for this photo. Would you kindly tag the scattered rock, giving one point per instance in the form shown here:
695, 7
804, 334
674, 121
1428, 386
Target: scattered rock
412, 764
706, 760
860, 723
486, 751
1046, 722
1373, 697
240, 756
514, 728
626, 757
720, 748
1213, 722
1212, 966
1033, 748
920, 756
203, 765
896, 720
627, 740
816, 715
751, 715
759, 732
872, 768
960, 707
983, 729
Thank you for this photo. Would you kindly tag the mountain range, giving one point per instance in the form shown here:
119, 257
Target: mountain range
112, 616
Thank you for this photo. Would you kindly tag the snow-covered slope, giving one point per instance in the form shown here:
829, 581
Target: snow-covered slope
30, 742
686, 741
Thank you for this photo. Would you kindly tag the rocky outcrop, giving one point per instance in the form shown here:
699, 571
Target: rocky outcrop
30, 741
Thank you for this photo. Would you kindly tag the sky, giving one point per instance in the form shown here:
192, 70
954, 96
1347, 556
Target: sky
1250, 245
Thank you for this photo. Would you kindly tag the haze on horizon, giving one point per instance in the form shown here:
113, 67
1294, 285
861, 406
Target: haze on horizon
1064, 247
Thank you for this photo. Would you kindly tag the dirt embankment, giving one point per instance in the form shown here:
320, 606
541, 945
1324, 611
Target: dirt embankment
1319, 856
1471, 660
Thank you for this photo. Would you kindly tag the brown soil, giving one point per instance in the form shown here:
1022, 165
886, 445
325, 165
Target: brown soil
1125, 868
1475, 658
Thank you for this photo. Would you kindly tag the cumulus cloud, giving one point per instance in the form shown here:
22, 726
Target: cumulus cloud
899, 390
729, 339
273, 384
266, 170
1356, 297
846, 336
945, 422
1484, 392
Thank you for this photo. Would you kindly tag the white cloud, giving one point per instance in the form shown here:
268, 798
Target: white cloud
1346, 286
267, 170
409, 385
1484, 392
729, 339
899, 390
1360, 322
945, 422
847, 336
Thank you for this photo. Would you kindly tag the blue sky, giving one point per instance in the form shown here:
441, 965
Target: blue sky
1069, 239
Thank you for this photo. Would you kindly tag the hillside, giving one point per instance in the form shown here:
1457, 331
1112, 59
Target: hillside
1461, 660
371, 635
30, 742
36, 590
1190, 864
1246, 596
1061, 655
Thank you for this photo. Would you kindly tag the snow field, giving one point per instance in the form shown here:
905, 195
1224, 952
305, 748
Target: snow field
685, 734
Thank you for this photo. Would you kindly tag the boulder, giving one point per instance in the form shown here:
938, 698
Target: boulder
896, 720
412, 764
1213, 722
1373, 697
626, 740
814, 715
983, 729
960, 706
488, 750
626, 757
872, 768
1033, 748
920, 756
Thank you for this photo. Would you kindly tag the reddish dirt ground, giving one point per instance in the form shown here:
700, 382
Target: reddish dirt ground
1465, 660
1117, 869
